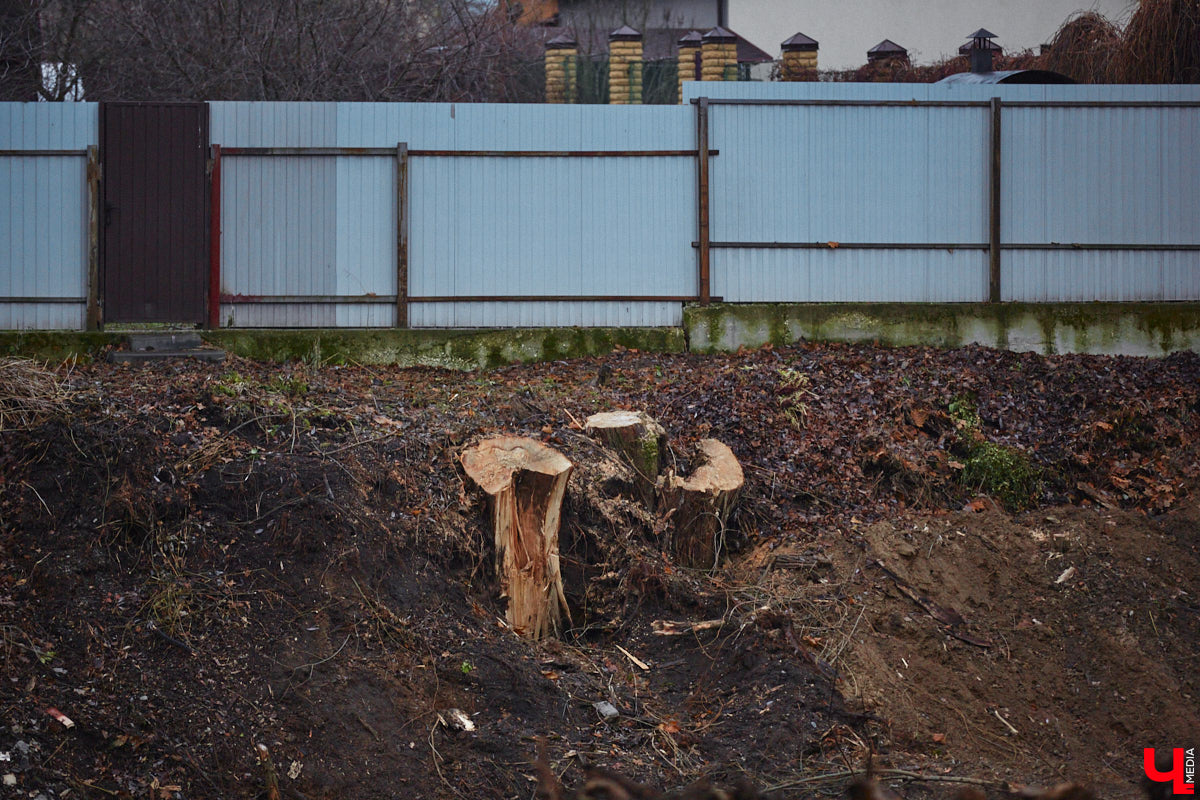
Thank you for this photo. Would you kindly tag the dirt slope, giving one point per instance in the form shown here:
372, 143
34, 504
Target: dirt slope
196, 560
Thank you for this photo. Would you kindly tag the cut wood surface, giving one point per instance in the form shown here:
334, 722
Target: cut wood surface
639, 439
525, 482
702, 503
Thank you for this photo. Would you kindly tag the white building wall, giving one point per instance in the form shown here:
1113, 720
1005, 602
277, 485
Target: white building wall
640, 14
930, 29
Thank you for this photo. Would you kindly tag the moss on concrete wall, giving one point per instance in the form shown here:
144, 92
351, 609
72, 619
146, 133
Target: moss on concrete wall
453, 349
53, 346
1146, 329
1111, 328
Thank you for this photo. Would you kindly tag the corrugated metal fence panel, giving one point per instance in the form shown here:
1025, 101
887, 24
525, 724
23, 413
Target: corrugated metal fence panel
278, 236
854, 175
254, 124
365, 262
1094, 175
553, 226
860, 276
602, 314
43, 213
479, 225
1106, 176
278, 214
539, 226
778, 90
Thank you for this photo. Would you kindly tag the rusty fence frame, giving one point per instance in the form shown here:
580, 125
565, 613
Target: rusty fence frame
403, 154
703, 244
994, 246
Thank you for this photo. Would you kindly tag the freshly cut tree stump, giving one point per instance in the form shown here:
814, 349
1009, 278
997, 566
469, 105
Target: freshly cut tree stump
525, 482
639, 439
702, 504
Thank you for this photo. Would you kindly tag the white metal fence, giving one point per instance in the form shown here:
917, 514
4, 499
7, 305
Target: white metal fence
441, 215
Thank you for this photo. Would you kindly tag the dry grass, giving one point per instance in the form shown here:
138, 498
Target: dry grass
1161, 44
30, 394
1084, 48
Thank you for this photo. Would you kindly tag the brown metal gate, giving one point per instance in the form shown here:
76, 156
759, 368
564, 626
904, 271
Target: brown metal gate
155, 212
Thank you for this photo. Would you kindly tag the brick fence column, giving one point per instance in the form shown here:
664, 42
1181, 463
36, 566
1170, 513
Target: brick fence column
719, 53
799, 61
689, 56
625, 66
561, 53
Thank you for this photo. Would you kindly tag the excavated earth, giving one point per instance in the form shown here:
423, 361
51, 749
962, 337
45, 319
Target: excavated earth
258, 580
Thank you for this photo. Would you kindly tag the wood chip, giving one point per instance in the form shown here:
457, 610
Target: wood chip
636, 661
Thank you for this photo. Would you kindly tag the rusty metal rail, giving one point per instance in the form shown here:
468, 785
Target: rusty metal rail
390, 152
403, 155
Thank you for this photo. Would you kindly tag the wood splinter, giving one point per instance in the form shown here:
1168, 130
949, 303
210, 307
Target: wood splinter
702, 503
525, 482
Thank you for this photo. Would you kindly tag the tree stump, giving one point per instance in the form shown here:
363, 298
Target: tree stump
702, 503
525, 482
639, 439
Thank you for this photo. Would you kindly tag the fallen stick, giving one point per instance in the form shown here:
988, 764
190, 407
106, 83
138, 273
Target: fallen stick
664, 627
636, 661
1007, 724
268, 767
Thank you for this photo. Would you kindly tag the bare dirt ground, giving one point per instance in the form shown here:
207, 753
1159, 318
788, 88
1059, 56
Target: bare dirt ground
959, 564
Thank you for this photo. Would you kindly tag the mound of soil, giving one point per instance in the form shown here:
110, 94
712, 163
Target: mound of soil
244, 579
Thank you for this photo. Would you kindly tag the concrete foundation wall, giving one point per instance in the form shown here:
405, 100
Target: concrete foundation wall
1137, 329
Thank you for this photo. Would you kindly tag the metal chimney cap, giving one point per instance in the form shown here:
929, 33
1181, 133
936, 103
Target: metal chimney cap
625, 34
563, 41
886, 49
987, 45
887, 46
982, 33
799, 43
720, 36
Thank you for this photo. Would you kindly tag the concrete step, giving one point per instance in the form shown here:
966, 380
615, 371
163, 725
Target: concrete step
147, 356
175, 340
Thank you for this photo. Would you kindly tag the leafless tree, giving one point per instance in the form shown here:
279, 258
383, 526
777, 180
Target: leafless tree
277, 49
19, 45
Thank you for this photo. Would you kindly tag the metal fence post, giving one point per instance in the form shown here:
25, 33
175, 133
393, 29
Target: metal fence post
402, 216
214, 239
994, 207
702, 199
93, 238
